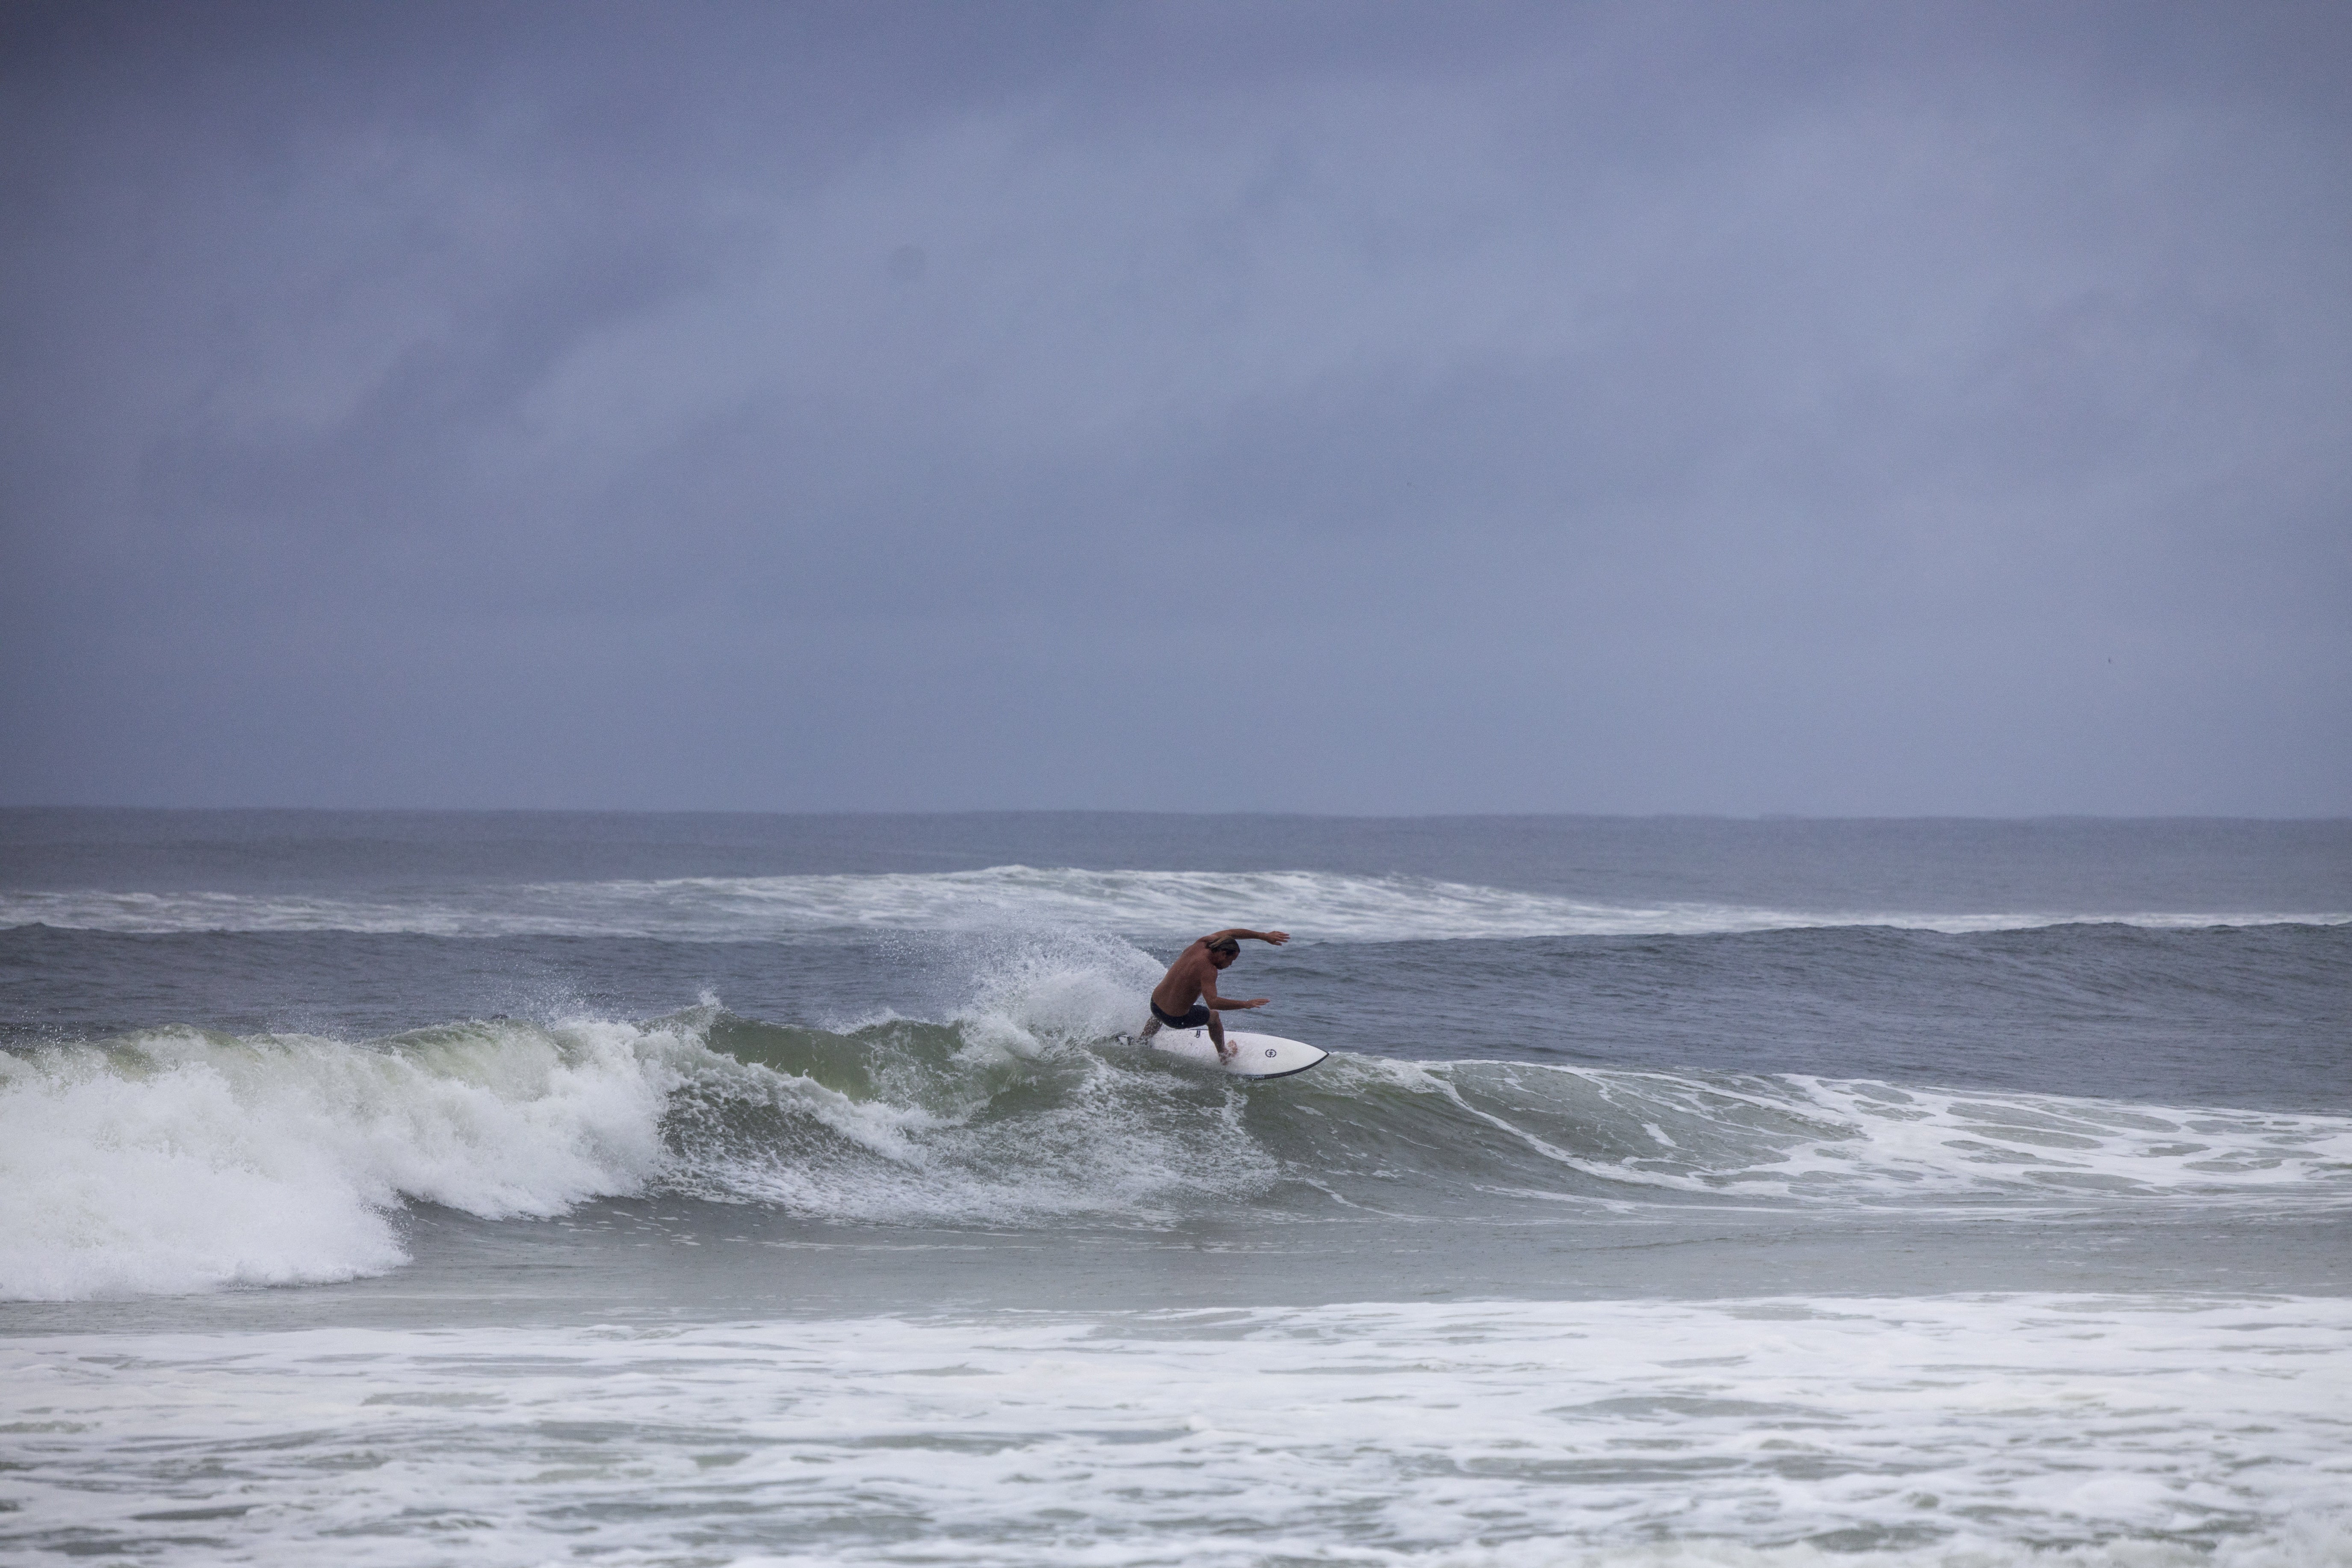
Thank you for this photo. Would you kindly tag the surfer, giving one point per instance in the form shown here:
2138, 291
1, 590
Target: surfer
1186, 996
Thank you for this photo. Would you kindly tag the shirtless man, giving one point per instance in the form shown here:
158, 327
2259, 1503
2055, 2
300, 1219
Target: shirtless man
1186, 997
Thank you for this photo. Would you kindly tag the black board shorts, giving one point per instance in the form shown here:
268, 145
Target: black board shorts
1191, 1020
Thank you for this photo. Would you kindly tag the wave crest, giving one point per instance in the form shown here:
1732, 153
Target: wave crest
181, 1160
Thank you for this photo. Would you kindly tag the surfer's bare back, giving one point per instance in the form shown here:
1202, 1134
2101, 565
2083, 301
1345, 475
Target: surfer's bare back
1186, 996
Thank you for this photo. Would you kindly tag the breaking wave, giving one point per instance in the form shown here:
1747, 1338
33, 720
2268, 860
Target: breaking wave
178, 1161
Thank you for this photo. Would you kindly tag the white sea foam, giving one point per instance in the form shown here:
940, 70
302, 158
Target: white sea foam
1957, 1431
180, 1162
1314, 905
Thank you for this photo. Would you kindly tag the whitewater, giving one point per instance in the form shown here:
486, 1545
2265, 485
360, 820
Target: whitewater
792, 1190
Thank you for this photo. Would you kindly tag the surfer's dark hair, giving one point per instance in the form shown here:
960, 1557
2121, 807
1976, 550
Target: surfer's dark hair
1225, 944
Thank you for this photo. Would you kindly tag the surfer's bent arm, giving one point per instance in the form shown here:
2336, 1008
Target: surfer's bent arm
1216, 1003
1276, 937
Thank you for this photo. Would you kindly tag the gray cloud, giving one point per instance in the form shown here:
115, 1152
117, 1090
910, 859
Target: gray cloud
1829, 409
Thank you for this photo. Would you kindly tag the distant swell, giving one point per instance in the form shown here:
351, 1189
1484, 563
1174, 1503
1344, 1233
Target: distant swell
177, 1160
1314, 905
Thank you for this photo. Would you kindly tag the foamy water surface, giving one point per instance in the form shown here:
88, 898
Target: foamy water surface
2009, 1429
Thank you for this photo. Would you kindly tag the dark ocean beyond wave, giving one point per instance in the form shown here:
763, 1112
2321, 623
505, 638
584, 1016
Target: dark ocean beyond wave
1933, 865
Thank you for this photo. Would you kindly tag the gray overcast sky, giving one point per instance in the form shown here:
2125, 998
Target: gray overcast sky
1830, 408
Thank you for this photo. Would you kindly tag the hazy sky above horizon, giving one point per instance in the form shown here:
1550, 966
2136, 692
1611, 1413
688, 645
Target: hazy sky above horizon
1840, 408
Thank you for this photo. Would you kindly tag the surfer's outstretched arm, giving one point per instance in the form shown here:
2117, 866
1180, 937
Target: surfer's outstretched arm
1235, 932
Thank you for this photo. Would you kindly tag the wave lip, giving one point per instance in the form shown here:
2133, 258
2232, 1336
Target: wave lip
181, 1162
1316, 905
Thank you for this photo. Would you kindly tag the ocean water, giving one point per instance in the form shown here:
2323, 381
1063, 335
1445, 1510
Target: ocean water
533, 1188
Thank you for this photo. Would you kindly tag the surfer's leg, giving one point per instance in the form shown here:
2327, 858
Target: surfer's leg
1150, 1028
1217, 1035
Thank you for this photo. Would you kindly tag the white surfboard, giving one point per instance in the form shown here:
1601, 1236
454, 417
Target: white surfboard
1254, 1056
